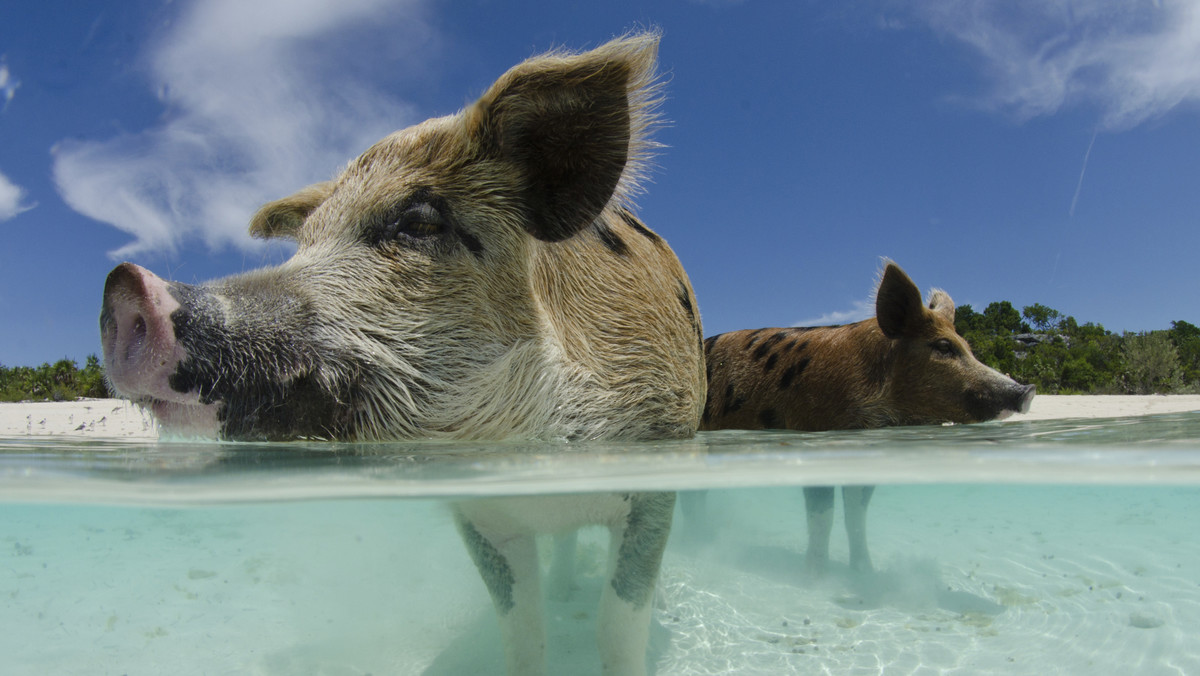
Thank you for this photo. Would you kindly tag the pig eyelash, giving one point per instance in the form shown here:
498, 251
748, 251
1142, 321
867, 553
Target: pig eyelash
420, 218
417, 219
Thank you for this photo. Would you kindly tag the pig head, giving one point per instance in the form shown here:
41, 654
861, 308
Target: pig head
478, 275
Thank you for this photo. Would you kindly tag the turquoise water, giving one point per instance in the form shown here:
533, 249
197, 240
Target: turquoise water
1050, 547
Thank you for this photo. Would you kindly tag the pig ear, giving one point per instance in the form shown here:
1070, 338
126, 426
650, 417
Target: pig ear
898, 306
282, 218
941, 303
573, 127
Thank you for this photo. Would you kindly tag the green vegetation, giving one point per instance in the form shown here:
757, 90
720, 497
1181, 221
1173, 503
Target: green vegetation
1041, 346
61, 381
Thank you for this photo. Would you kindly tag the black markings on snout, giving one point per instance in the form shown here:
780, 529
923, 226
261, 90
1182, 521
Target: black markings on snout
261, 368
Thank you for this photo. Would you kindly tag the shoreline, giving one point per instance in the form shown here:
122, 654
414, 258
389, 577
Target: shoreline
121, 419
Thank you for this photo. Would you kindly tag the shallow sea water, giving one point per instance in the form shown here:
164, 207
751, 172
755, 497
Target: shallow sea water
1049, 547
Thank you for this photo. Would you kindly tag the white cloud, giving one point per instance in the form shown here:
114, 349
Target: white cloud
11, 199
8, 85
1133, 60
261, 98
862, 309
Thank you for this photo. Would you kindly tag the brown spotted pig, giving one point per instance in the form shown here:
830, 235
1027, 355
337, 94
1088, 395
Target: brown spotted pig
476, 276
905, 366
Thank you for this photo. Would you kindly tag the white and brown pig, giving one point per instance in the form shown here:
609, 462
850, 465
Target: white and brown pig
476, 276
905, 366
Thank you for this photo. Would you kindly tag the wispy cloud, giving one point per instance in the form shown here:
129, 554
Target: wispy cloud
12, 199
1134, 61
862, 309
260, 99
8, 85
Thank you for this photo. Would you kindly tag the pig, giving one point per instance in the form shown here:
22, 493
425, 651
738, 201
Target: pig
905, 366
477, 276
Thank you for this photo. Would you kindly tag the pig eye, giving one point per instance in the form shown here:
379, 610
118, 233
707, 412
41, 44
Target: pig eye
416, 219
944, 347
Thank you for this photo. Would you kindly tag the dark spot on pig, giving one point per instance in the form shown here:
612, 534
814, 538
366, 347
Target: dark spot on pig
766, 345
770, 363
732, 404
472, 243
709, 342
611, 239
792, 372
633, 222
685, 300
681, 292
754, 338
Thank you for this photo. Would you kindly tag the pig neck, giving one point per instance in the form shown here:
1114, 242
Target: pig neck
856, 376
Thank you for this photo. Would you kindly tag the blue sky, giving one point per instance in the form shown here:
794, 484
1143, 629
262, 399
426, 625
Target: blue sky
999, 149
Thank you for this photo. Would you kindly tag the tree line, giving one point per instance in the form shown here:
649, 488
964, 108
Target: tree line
1037, 345
1041, 346
61, 381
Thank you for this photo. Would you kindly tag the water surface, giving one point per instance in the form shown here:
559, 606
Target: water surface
1050, 547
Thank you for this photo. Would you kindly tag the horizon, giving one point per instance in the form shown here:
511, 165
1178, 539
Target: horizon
1023, 152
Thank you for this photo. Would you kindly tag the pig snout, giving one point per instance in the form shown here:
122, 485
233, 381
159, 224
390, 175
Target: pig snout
137, 335
1025, 398
1011, 397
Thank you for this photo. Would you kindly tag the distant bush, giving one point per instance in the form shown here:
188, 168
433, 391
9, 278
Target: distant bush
1065, 357
61, 381
1151, 363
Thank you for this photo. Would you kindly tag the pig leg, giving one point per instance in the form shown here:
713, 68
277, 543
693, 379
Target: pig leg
634, 556
855, 500
508, 564
818, 505
562, 568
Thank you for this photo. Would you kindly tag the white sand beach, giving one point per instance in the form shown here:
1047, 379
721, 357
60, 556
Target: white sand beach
117, 418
